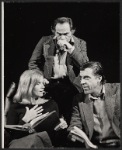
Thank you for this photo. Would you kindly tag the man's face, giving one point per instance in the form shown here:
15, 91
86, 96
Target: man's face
89, 81
63, 31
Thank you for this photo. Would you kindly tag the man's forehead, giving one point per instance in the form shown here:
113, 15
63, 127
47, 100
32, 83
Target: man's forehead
87, 71
65, 27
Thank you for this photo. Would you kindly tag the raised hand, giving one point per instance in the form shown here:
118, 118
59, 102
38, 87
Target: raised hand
32, 113
66, 46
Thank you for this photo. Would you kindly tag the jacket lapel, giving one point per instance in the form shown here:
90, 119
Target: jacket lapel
88, 113
49, 47
110, 106
49, 50
76, 44
109, 102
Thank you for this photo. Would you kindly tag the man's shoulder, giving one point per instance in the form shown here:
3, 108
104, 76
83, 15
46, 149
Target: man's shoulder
79, 97
112, 85
112, 88
47, 37
77, 39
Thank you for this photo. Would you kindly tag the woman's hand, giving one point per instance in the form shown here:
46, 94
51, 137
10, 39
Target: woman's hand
61, 125
32, 113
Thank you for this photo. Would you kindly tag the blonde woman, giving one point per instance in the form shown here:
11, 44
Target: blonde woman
29, 103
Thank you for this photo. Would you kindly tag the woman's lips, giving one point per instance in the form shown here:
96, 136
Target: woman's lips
43, 92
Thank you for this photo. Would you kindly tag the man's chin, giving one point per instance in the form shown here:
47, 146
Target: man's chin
87, 92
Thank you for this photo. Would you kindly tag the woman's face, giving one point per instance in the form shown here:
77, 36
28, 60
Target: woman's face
38, 90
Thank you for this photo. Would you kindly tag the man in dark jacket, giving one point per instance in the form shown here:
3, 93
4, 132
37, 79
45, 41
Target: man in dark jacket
60, 56
96, 110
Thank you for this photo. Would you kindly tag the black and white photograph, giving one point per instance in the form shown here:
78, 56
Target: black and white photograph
60, 74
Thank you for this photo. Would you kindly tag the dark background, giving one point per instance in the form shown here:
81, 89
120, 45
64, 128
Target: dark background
25, 23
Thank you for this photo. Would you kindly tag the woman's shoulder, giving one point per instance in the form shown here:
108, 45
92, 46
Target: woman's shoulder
50, 102
49, 106
18, 105
15, 107
15, 104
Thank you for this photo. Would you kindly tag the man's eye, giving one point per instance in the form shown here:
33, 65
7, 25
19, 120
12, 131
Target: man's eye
58, 34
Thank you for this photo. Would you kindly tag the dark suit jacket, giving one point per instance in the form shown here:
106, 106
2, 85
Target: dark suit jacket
43, 57
82, 115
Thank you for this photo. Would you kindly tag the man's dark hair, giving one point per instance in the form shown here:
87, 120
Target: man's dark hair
62, 20
96, 67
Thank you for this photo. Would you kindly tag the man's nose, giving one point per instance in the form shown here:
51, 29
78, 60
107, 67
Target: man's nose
82, 81
62, 37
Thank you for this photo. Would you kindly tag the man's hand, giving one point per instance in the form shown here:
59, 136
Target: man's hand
66, 46
75, 137
82, 135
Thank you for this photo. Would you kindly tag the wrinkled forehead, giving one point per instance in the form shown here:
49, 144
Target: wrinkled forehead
86, 72
62, 28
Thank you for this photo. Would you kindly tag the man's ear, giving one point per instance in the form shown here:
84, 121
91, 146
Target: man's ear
100, 78
73, 31
53, 31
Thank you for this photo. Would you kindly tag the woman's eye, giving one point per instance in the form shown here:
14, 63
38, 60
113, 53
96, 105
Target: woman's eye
38, 83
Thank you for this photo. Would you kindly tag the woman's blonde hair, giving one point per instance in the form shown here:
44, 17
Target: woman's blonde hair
28, 80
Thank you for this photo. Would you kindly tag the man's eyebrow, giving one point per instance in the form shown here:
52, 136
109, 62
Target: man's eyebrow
62, 33
86, 76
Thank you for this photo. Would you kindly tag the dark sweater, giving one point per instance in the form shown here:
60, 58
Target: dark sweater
17, 111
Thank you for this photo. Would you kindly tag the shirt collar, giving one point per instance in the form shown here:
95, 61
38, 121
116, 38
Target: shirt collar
102, 94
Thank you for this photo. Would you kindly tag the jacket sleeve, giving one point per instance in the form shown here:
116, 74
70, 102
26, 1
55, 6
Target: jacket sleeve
75, 118
117, 102
79, 55
37, 60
